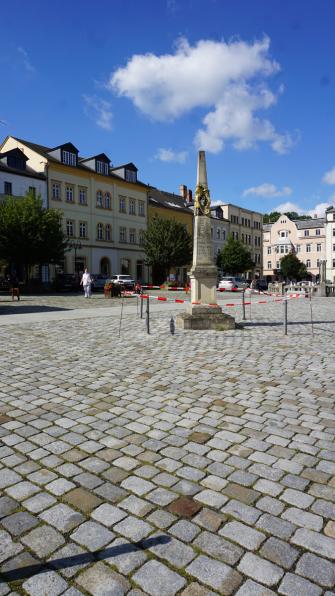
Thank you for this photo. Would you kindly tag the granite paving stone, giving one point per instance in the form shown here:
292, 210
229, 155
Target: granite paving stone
158, 580
197, 459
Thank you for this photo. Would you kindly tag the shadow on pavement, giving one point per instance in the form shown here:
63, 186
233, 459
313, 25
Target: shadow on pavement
80, 559
28, 309
280, 324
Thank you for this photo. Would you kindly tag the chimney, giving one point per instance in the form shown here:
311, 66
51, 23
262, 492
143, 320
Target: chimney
189, 196
183, 191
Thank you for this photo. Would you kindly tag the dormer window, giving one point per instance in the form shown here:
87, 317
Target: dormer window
102, 167
130, 175
70, 159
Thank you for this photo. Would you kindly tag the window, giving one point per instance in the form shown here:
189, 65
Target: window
277, 265
108, 203
83, 229
141, 208
333, 247
108, 232
333, 263
308, 263
99, 198
141, 237
69, 194
123, 234
132, 236
130, 176
102, 167
308, 248
334, 232
317, 232
223, 234
83, 196
282, 249
269, 250
55, 190
69, 227
283, 234
100, 231
32, 191
8, 188
318, 248
122, 204
236, 235
298, 248
242, 221
269, 265
318, 262
306, 232
132, 207
218, 234
70, 159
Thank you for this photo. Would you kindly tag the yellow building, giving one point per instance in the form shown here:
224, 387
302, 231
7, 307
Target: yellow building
104, 209
170, 206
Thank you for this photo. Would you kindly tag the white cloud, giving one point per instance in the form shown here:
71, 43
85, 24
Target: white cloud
228, 78
318, 210
98, 110
268, 190
26, 60
168, 155
329, 177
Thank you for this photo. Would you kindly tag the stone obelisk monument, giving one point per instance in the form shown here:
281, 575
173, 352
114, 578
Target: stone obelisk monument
203, 312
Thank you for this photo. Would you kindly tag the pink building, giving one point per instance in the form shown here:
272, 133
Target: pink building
304, 237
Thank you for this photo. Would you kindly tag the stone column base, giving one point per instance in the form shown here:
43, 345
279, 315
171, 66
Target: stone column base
205, 317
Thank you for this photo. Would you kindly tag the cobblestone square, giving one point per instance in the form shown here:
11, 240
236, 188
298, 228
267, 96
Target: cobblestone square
197, 463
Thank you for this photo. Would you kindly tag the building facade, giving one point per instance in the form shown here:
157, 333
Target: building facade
219, 230
17, 178
104, 209
246, 226
330, 244
168, 205
306, 238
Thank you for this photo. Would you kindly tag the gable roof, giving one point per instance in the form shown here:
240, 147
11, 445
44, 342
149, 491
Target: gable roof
168, 200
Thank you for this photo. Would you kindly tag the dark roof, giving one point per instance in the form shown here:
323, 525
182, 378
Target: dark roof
101, 156
44, 151
16, 150
28, 172
67, 146
168, 200
302, 224
129, 166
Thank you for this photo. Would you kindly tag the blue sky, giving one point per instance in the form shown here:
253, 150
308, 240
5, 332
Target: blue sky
153, 81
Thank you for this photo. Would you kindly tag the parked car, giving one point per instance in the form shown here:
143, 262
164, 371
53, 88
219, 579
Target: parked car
66, 282
232, 283
124, 280
99, 281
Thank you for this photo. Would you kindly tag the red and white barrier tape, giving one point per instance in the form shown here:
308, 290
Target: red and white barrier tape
225, 304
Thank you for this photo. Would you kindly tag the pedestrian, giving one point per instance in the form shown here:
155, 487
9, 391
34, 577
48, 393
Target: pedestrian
86, 282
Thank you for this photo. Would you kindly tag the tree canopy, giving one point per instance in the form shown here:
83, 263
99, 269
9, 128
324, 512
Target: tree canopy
234, 258
292, 268
274, 215
167, 244
29, 234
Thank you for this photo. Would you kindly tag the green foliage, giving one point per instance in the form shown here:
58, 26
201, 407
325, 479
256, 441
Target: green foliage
29, 234
167, 244
234, 258
292, 268
274, 215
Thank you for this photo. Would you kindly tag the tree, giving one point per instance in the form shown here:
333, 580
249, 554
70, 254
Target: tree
292, 268
234, 258
29, 234
167, 244
274, 215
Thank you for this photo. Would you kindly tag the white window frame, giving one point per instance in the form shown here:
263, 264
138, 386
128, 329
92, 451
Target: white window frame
56, 191
70, 227
82, 229
69, 193
100, 231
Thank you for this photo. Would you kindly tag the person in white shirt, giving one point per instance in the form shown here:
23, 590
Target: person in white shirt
86, 282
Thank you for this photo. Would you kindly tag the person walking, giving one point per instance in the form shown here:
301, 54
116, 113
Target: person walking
86, 282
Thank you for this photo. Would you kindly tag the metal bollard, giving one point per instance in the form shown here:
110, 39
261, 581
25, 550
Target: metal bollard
148, 316
172, 326
243, 303
285, 316
141, 305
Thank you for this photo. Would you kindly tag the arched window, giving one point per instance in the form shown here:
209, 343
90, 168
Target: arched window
99, 198
100, 231
108, 203
108, 232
